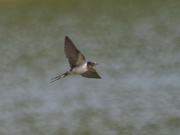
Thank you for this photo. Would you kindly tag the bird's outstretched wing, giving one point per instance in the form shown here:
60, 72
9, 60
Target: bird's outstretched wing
75, 57
91, 74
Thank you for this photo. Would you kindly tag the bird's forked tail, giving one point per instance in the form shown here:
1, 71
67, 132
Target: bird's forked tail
59, 77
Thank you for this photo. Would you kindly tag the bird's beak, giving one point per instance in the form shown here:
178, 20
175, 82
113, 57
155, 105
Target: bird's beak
95, 63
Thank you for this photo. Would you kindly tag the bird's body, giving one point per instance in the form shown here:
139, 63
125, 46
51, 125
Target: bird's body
79, 69
77, 62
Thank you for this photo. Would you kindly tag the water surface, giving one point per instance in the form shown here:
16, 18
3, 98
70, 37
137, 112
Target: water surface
136, 45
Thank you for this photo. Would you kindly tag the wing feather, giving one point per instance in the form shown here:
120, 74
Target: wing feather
91, 74
75, 57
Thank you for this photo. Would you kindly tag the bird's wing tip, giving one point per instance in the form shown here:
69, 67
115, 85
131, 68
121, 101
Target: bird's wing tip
66, 37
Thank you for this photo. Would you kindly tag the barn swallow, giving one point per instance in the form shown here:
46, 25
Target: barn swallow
77, 62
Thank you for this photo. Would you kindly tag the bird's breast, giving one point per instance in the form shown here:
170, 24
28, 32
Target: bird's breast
80, 69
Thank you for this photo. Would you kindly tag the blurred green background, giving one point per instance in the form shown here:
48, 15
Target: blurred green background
136, 45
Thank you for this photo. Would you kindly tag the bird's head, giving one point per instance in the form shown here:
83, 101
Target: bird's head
90, 65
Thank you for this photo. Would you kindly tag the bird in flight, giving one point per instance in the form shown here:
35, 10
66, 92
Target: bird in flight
77, 62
